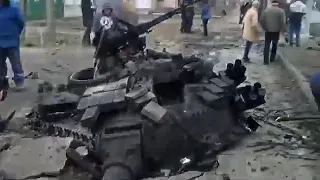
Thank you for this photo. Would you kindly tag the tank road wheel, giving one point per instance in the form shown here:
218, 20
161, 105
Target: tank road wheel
79, 81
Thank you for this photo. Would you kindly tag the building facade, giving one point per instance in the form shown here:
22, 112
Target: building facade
72, 7
312, 24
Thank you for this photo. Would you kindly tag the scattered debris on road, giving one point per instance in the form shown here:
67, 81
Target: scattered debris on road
120, 142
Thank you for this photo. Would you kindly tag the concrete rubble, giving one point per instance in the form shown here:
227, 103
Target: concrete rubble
114, 121
29, 157
137, 125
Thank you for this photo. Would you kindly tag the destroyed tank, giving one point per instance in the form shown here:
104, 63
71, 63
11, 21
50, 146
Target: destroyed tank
166, 112
115, 37
158, 111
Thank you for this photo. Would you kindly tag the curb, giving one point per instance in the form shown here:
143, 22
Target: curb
300, 80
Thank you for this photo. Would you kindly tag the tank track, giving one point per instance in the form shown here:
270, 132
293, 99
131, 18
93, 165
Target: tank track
59, 130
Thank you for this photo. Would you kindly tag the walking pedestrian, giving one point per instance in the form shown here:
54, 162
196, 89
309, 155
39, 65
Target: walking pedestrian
12, 25
250, 29
273, 22
244, 7
205, 16
297, 12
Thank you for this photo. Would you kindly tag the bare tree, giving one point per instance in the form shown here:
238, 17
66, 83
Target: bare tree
50, 36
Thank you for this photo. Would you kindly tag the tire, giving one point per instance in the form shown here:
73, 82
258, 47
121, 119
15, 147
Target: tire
79, 81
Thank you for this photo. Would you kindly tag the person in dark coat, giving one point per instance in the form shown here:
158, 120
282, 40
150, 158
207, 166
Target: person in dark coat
12, 25
315, 88
187, 15
87, 19
273, 22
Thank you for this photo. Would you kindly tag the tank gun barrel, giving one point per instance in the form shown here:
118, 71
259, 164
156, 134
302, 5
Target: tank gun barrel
113, 45
144, 27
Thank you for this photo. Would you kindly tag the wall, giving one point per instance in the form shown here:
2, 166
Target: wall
313, 18
170, 3
72, 8
220, 5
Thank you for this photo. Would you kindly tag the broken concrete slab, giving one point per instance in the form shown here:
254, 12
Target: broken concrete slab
10, 137
8, 140
34, 156
19, 119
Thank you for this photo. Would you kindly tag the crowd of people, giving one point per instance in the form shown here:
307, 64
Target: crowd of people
187, 15
273, 22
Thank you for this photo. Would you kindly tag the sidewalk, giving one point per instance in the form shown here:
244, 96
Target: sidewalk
302, 64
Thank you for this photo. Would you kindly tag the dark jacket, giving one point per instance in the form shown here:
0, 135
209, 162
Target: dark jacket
189, 11
12, 24
87, 13
273, 19
295, 18
315, 84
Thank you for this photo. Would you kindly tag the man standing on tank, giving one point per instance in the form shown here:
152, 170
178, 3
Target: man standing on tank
187, 14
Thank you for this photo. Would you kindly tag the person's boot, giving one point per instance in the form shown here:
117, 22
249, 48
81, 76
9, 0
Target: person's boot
265, 60
291, 44
272, 58
246, 59
19, 86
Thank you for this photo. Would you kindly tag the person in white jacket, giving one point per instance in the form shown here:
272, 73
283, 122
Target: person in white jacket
297, 11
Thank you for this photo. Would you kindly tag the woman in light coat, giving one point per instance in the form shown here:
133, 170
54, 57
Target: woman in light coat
250, 29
